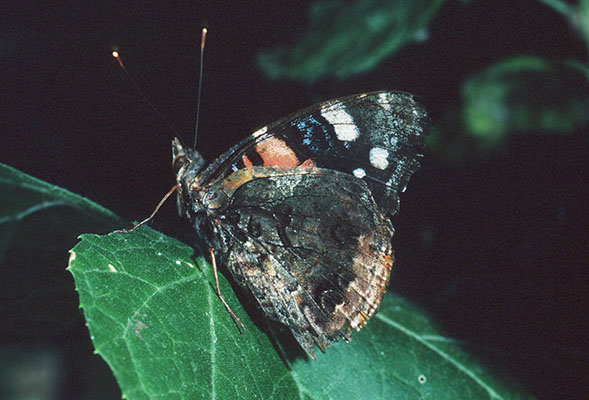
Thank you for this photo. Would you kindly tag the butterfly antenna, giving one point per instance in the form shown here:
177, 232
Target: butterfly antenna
116, 55
203, 39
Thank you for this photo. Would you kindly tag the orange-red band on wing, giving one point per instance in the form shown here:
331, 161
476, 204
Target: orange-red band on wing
276, 153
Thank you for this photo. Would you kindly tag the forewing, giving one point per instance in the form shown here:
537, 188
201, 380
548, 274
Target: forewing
311, 245
378, 137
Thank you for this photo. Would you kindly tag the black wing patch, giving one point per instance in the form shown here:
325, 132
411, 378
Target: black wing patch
378, 137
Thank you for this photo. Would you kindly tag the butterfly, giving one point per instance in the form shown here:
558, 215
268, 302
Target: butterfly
299, 211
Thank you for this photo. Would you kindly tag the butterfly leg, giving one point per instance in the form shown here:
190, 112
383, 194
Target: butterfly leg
214, 265
146, 220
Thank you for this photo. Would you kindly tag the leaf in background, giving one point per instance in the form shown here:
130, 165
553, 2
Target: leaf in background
525, 94
349, 37
576, 14
155, 318
39, 222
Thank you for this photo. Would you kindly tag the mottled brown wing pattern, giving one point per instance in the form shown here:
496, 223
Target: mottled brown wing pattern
310, 244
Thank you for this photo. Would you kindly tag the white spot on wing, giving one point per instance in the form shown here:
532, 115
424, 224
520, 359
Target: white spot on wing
384, 101
379, 157
393, 142
260, 131
343, 123
359, 173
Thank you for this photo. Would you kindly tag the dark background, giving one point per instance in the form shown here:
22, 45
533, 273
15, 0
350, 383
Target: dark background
493, 246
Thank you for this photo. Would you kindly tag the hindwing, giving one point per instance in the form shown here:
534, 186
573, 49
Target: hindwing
310, 244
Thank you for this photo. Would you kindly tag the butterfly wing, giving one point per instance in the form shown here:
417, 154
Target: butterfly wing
310, 244
378, 137
299, 210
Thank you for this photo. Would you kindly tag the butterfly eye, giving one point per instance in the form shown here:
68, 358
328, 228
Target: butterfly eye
211, 197
178, 163
214, 199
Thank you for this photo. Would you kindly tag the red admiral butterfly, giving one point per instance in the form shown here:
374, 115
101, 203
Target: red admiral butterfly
299, 210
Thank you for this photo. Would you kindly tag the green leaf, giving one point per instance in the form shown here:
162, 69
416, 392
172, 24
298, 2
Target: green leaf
23, 195
345, 38
525, 94
155, 318
39, 222
401, 355
577, 15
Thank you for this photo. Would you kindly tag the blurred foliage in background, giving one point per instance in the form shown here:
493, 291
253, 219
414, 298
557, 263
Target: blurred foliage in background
522, 94
349, 37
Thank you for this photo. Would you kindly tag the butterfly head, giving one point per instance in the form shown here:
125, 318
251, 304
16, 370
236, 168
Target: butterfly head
187, 163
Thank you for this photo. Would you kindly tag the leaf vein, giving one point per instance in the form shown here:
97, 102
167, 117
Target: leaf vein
441, 353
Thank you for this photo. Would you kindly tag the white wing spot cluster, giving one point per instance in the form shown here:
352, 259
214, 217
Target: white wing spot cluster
112, 268
379, 157
343, 123
359, 173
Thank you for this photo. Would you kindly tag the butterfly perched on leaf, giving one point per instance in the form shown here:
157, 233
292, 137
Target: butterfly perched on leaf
299, 211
